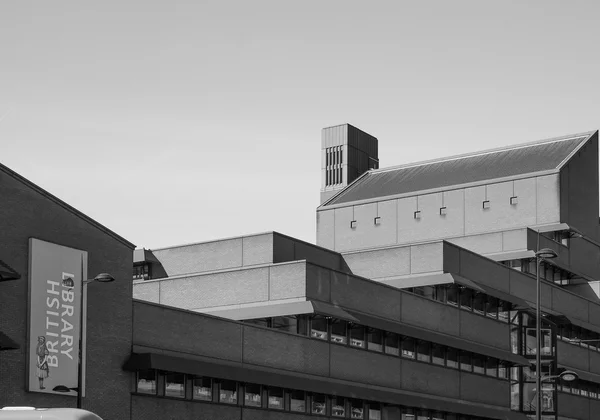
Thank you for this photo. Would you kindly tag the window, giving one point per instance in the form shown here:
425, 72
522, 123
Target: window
319, 404
452, 295
374, 411
318, 327
479, 301
423, 415
252, 395
228, 392
339, 331
298, 401
436, 415
146, 381
479, 364
466, 296
392, 343
357, 410
285, 323
426, 291
338, 406
504, 311
465, 361
503, 370
175, 385
424, 351
491, 367
374, 339
491, 307
452, 358
261, 322
275, 398
202, 389
141, 271
408, 414
438, 353
408, 347
357, 335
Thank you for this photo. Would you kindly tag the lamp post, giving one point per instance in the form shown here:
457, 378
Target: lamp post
540, 255
100, 278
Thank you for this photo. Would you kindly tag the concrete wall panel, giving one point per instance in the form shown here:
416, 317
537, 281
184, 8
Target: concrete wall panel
513, 240
430, 379
296, 353
594, 358
147, 291
381, 263
429, 314
426, 258
150, 408
257, 249
569, 304
548, 199
364, 367
318, 282
484, 389
228, 288
487, 243
485, 331
407, 224
344, 234
287, 281
326, 229
526, 208
573, 406
572, 356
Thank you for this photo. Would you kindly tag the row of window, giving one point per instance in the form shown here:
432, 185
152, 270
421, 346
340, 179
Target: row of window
333, 169
372, 339
579, 336
201, 388
466, 299
548, 271
582, 388
141, 271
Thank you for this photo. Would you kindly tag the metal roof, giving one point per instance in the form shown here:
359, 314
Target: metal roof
445, 172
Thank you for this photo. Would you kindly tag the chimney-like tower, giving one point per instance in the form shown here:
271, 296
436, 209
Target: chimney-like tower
346, 153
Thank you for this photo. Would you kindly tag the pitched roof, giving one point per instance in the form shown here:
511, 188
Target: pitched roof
445, 172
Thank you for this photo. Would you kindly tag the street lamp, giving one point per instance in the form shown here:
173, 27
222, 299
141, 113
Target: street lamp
540, 255
100, 278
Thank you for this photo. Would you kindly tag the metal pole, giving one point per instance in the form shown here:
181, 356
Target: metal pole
538, 333
79, 365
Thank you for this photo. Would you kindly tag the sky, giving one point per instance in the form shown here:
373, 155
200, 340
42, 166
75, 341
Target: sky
173, 122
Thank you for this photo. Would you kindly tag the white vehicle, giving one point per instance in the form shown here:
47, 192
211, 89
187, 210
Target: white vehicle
32, 413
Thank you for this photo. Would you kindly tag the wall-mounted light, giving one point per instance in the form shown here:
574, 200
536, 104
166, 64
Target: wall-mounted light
417, 214
486, 204
514, 200
443, 211
353, 224
377, 221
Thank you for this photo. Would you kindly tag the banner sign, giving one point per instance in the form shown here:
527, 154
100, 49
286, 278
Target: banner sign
55, 286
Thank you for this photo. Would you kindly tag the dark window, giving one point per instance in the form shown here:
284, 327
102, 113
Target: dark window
408, 347
319, 404
504, 311
146, 381
408, 414
466, 297
424, 351
374, 411
441, 293
298, 401
285, 323
479, 364
503, 370
339, 331
357, 335
318, 327
491, 307
438, 353
252, 395
338, 406
275, 398
392, 343
423, 415
452, 358
228, 392
175, 385
202, 389
452, 295
479, 303
465, 361
374, 339
303, 321
426, 291
141, 272
357, 410
491, 366
261, 322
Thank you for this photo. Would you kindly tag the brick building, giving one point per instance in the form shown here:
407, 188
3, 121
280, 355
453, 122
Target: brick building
417, 303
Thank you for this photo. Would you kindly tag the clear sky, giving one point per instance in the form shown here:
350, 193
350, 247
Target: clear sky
173, 122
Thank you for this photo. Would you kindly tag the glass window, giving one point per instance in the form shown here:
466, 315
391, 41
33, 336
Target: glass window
408, 347
424, 351
584, 390
228, 392
357, 335
374, 411
319, 404
392, 343
491, 307
426, 291
466, 297
338, 406
452, 295
202, 389
465, 361
275, 398
261, 322
441, 293
438, 354
303, 321
357, 410
452, 358
502, 370
423, 415
374, 339
479, 364
146, 381
491, 367
318, 327
285, 323
479, 300
408, 414
175, 385
504, 311
339, 332
436, 415
252, 395
298, 401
